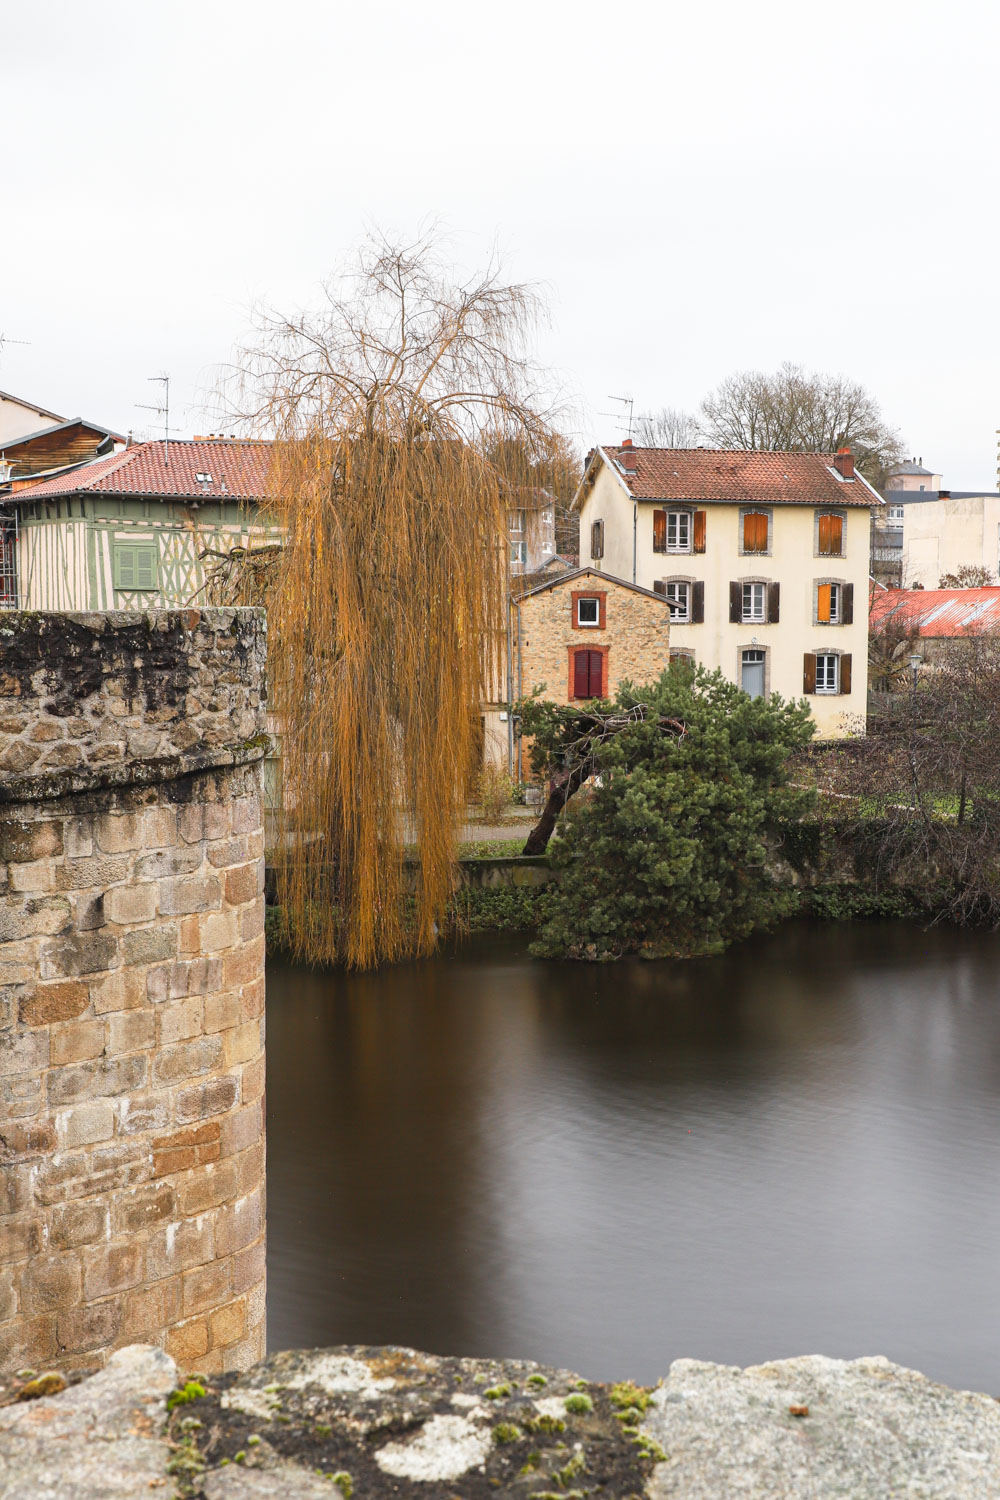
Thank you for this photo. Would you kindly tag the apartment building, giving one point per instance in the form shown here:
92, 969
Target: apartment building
762, 557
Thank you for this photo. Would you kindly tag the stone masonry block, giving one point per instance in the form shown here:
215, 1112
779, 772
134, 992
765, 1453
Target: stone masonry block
240, 1224
204, 1100
123, 990
133, 1212
131, 1031
187, 1060
33, 878
95, 1080
149, 945
62, 1001
187, 1341
242, 1044
88, 1327
219, 930
83, 953
178, 1247
77, 1042
50, 1282
23, 842
119, 833
112, 1268
206, 1286
19, 1239
242, 883
138, 1114
180, 1020
150, 1309
229, 1323
86, 1124
208, 1187
167, 862
252, 1080
73, 1224
28, 1343
130, 904
190, 893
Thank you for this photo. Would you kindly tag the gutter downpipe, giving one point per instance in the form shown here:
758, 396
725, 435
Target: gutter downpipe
520, 690
510, 715
635, 533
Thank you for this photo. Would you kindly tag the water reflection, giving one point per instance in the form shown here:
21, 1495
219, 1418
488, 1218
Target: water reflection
788, 1150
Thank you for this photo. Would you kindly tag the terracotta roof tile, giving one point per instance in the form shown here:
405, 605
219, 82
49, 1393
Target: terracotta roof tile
237, 470
940, 612
723, 474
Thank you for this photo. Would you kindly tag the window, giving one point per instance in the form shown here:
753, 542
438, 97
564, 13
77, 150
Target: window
752, 662
834, 603
517, 520
829, 534
588, 611
135, 567
827, 675
754, 602
895, 513
755, 531
682, 658
518, 553
588, 674
671, 531
679, 598
596, 540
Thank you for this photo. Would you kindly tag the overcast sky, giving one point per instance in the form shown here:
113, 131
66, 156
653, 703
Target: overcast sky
700, 188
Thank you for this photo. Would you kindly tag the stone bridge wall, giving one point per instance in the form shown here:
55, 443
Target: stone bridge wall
131, 986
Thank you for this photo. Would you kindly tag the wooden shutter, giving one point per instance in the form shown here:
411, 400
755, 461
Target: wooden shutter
754, 531
597, 539
823, 597
845, 673
124, 567
699, 531
698, 603
809, 672
581, 674
659, 586
837, 535
735, 603
826, 535
596, 674
773, 601
847, 608
145, 568
659, 531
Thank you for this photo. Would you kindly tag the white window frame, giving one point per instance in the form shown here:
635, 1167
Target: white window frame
677, 592
756, 614
829, 674
679, 522
895, 512
593, 624
517, 522
518, 554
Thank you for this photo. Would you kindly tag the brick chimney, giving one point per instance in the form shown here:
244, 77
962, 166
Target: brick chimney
843, 462
626, 456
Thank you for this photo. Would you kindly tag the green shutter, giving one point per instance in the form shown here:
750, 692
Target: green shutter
135, 567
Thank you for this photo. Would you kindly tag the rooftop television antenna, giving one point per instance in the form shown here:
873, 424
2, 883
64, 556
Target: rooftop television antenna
162, 411
625, 401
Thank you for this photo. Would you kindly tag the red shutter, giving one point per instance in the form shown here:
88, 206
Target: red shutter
698, 603
847, 612
845, 673
581, 676
699, 531
837, 535
809, 672
735, 603
659, 531
773, 602
596, 687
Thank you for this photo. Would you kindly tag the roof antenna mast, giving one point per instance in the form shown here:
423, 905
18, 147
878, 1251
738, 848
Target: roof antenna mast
625, 401
162, 411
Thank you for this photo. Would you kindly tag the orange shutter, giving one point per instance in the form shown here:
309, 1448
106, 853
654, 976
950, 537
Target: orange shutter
825, 534
823, 594
659, 531
699, 531
754, 532
836, 535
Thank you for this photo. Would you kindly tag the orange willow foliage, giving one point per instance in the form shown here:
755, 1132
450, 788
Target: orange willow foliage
386, 605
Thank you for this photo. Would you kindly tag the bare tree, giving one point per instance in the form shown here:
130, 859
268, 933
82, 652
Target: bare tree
667, 428
390, 407
968, 576
795, 411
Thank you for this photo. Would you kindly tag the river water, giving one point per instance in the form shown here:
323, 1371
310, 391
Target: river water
792, 1149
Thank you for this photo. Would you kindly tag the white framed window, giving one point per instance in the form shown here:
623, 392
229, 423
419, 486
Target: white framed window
517, 520
678, 596
895, 512
518, 553
678, 531
588, 612
829, 603
755, 603
827, 672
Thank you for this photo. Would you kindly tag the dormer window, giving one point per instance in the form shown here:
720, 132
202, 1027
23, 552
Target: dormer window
203, 478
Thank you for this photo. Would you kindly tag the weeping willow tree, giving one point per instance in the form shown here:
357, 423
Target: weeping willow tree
391, 409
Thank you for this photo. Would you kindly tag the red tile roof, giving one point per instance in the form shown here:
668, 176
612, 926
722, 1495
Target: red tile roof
237, 470
939, 612
733, 475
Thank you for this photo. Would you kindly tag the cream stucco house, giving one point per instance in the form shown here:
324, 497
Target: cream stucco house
763, 557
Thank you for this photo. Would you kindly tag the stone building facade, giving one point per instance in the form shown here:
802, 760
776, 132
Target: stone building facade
585, 623
131, 987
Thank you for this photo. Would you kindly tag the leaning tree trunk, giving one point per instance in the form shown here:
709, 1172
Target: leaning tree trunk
561, 789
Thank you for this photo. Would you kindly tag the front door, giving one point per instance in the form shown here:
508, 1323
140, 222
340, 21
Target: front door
752, 674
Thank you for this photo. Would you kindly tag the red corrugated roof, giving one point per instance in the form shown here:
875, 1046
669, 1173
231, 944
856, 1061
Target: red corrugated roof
724, 474
940, 612
237, 470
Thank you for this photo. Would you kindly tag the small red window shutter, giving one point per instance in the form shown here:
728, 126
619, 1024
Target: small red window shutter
845, 673
735, 603
699, 531
826, 534
773, 602
754, 532
596, 688
847, 613
581, 678
809, 673
698, 603
836, 535
659, 531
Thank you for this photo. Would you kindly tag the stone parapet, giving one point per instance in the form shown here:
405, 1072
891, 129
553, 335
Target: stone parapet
131, 987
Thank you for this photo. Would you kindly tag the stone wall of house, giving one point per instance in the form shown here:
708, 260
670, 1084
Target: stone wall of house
635, 635
131, 987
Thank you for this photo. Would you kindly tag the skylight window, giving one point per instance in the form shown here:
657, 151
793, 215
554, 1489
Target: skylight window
203, 478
